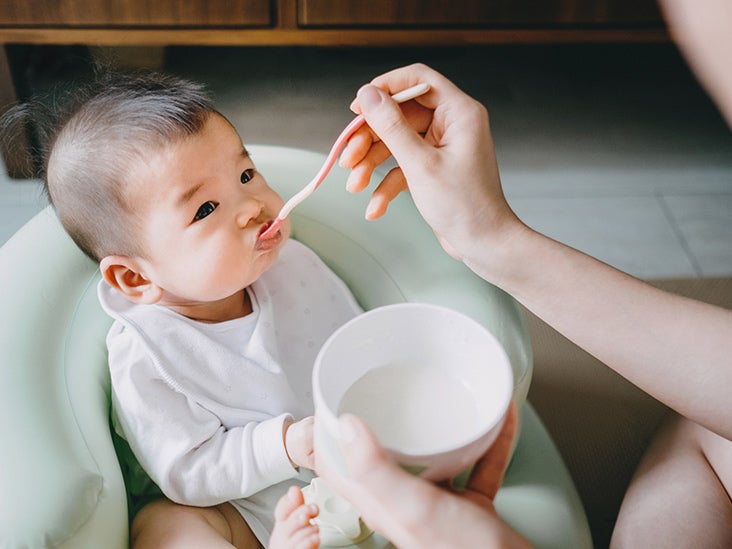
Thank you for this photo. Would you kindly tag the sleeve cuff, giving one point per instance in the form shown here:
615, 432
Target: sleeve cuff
269, 446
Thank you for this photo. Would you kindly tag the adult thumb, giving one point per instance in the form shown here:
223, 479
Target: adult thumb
387, 121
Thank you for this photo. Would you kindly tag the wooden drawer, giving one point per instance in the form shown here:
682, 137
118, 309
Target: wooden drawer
477, 13
136, 13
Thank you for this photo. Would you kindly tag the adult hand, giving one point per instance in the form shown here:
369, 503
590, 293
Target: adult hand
414, 513
443, 145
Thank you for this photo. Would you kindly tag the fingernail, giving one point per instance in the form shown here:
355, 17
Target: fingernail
352, 182
372, 209
369, 97
343, 157
346, 429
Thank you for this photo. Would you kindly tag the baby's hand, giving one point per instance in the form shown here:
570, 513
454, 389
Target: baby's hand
292, 527
299, 443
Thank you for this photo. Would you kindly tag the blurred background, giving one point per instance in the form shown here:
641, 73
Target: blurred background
611, 148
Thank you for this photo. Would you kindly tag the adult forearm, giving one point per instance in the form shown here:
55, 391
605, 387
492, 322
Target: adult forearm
676, 349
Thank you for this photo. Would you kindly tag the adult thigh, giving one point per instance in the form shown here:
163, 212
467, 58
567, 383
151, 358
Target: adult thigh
679, 496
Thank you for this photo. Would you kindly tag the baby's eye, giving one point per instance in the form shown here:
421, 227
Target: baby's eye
204, 210
247, 175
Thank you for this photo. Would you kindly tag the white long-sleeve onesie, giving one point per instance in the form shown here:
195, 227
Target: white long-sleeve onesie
203, 405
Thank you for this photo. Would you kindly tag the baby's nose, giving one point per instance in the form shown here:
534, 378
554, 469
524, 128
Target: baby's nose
249, 210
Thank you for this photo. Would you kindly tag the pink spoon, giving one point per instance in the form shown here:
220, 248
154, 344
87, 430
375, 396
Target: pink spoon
401, 97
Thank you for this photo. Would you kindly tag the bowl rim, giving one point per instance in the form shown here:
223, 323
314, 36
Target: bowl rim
324, 413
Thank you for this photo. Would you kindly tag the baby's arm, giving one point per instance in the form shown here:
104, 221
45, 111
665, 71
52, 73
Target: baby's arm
195, 460
186, 450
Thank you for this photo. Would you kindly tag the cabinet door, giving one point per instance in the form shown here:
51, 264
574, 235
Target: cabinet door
135, 13
477, 13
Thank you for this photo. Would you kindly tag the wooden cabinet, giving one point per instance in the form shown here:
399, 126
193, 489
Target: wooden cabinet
315, 22
476, 13
136, 14
326, 22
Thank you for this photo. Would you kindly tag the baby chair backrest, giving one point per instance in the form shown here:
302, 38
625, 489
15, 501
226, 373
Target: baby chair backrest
58, 465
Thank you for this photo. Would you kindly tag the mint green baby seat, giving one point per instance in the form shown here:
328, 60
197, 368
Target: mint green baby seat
61, 484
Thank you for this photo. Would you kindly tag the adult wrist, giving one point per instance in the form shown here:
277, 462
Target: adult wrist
500, 260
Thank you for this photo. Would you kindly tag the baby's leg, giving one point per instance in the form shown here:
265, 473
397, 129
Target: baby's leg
680, 495
292, 528
164, 524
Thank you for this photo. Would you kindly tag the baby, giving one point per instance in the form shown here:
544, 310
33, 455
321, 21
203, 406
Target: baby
215, 330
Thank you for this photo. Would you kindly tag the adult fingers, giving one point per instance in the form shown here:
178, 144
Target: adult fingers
393, 184
387, 121
488, 473
441, 91
361, 173
390, 500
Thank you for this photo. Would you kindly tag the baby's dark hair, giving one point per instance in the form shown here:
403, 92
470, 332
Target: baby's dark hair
91, 138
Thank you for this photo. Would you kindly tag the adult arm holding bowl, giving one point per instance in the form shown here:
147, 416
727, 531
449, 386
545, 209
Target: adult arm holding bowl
676, 349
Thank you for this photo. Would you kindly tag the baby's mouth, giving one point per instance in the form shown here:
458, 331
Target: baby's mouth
270, 229
263, 228
270, 241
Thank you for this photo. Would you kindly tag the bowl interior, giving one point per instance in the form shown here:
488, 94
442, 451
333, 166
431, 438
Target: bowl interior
430, 379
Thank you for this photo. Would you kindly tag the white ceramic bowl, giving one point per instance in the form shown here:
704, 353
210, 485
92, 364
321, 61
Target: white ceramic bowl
437, 399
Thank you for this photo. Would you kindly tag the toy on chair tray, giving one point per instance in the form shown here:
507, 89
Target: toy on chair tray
339, 523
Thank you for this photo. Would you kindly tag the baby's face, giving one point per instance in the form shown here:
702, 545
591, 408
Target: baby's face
201, 205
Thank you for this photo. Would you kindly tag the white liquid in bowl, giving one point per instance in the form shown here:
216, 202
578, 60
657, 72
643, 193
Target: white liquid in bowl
414, 409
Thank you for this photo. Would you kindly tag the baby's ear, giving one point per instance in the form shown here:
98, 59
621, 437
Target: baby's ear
123, 274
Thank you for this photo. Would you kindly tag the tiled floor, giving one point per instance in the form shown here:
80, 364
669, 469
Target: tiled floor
612, 149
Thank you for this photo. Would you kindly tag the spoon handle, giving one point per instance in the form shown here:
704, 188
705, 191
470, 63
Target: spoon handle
355, 124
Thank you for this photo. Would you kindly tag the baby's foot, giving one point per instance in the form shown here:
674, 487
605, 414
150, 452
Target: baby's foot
292, 529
